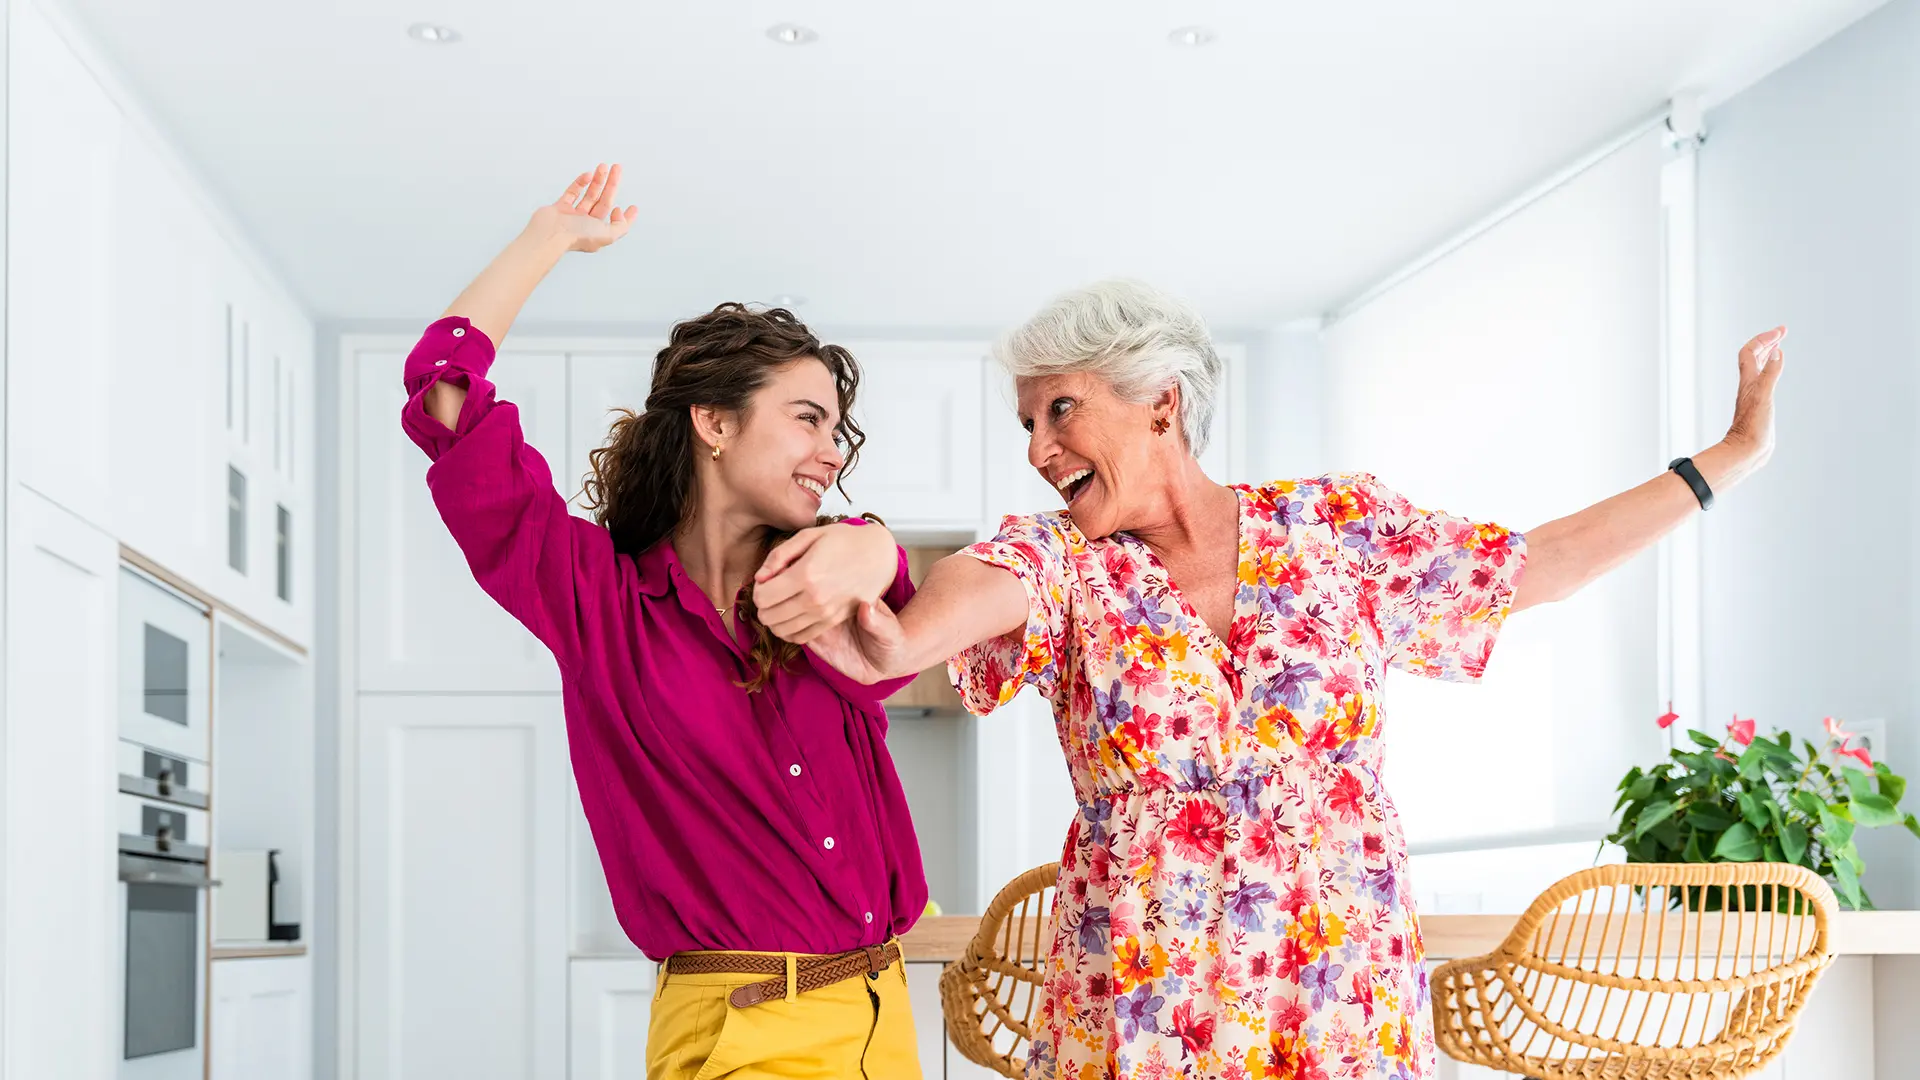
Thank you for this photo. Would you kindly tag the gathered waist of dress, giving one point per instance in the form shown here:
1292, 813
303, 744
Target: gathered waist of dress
1239, 783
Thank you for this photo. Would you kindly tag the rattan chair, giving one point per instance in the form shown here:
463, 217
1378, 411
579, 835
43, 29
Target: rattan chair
990, 995
1643, 972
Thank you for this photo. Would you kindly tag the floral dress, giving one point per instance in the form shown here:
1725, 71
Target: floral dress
1233, 898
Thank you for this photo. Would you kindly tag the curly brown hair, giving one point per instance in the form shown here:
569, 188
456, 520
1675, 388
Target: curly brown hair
641, 484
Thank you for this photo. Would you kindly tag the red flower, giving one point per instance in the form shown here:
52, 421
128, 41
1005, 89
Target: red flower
1196, 1035
1667, 718
1199, 831
1858, 753
1740, 731
1347, 796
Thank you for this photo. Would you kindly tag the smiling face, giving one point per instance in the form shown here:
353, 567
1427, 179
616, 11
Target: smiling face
1099, 451
779, 455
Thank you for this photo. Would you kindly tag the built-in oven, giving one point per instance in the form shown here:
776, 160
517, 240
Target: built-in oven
166, 642
163, 920
164, 709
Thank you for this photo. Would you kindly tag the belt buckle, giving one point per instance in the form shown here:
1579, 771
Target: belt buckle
876, 959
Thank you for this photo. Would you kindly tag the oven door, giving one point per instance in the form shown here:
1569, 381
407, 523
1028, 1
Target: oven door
165, 640
164, 923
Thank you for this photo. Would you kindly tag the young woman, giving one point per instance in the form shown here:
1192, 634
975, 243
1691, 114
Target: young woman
753, 831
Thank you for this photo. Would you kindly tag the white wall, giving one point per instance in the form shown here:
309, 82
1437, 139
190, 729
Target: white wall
1810, 215
1516, 381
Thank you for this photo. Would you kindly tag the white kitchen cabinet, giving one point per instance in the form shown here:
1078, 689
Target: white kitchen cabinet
163, 436
63, 137
262, 472
424, 624
460, 888
61, 901
599, 382
261, 1026
609, 1003
920, 405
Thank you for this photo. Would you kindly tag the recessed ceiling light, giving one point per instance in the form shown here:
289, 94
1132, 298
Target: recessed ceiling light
788, 301
1191, 36
791, 34
433, 35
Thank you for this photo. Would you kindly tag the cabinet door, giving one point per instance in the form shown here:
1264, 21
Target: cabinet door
920, 406
461, 892
164, 437
259, 1028
63, 137
61, 901
423, 622
598, 383
611, 1005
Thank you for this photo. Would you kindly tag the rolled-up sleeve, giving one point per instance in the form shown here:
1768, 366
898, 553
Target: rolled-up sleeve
495, 493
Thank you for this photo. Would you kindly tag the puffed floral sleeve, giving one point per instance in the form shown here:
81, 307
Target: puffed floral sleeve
1437, 587
1036, 549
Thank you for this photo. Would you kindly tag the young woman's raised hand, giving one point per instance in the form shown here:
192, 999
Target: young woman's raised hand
587, 212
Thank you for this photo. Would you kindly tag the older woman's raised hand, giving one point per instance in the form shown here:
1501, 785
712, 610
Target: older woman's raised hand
1761, 361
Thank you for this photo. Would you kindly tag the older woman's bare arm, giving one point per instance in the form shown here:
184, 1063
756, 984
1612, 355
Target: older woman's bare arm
1564, 555
962, 602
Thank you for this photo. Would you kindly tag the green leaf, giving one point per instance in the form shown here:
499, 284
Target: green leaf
1642, 788
1654, 814
1752, 761
1849, 883
1793, 842
1693, 852
1913, 824
1781, 751
1891, 785
1873, 811
1858, 783
1753, 810
1787, 769
1835, 831
1773, 851
1711, 818
1808, 802
1774, 813
1738, 844
1701, 738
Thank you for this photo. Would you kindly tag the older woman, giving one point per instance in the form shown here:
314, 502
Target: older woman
1234, 899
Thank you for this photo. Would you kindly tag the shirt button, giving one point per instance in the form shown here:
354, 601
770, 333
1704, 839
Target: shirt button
459, 331
793, 770
829, 843
439, 363
869, 916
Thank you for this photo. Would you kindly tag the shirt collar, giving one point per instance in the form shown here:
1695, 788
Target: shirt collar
657, 566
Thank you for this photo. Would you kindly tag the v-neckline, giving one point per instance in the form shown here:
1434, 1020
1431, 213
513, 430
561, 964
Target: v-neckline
1192, 614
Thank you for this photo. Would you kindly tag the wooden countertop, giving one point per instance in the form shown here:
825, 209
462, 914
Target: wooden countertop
943, 938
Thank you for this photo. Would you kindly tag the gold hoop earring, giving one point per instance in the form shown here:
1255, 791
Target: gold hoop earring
716, 451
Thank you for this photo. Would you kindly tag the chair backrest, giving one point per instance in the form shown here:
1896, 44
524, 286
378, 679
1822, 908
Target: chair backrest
991, 994
1706, 963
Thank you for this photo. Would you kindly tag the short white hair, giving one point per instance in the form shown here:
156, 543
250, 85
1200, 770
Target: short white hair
1139, 339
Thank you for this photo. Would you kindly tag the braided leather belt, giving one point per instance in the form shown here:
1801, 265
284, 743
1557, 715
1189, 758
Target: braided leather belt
811, 973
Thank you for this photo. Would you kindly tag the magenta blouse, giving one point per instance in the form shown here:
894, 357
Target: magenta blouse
771, 821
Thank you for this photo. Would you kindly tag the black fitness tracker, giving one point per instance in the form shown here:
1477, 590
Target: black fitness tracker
1687, 471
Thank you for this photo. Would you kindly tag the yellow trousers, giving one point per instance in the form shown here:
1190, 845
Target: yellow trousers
858, 1027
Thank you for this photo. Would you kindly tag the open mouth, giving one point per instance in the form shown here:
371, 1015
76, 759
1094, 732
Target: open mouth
812, 487
1074, 484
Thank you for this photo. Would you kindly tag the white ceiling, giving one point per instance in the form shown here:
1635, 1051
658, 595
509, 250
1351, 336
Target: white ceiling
921, 165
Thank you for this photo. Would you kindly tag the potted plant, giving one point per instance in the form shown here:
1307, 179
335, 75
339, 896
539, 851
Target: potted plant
1747, 797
